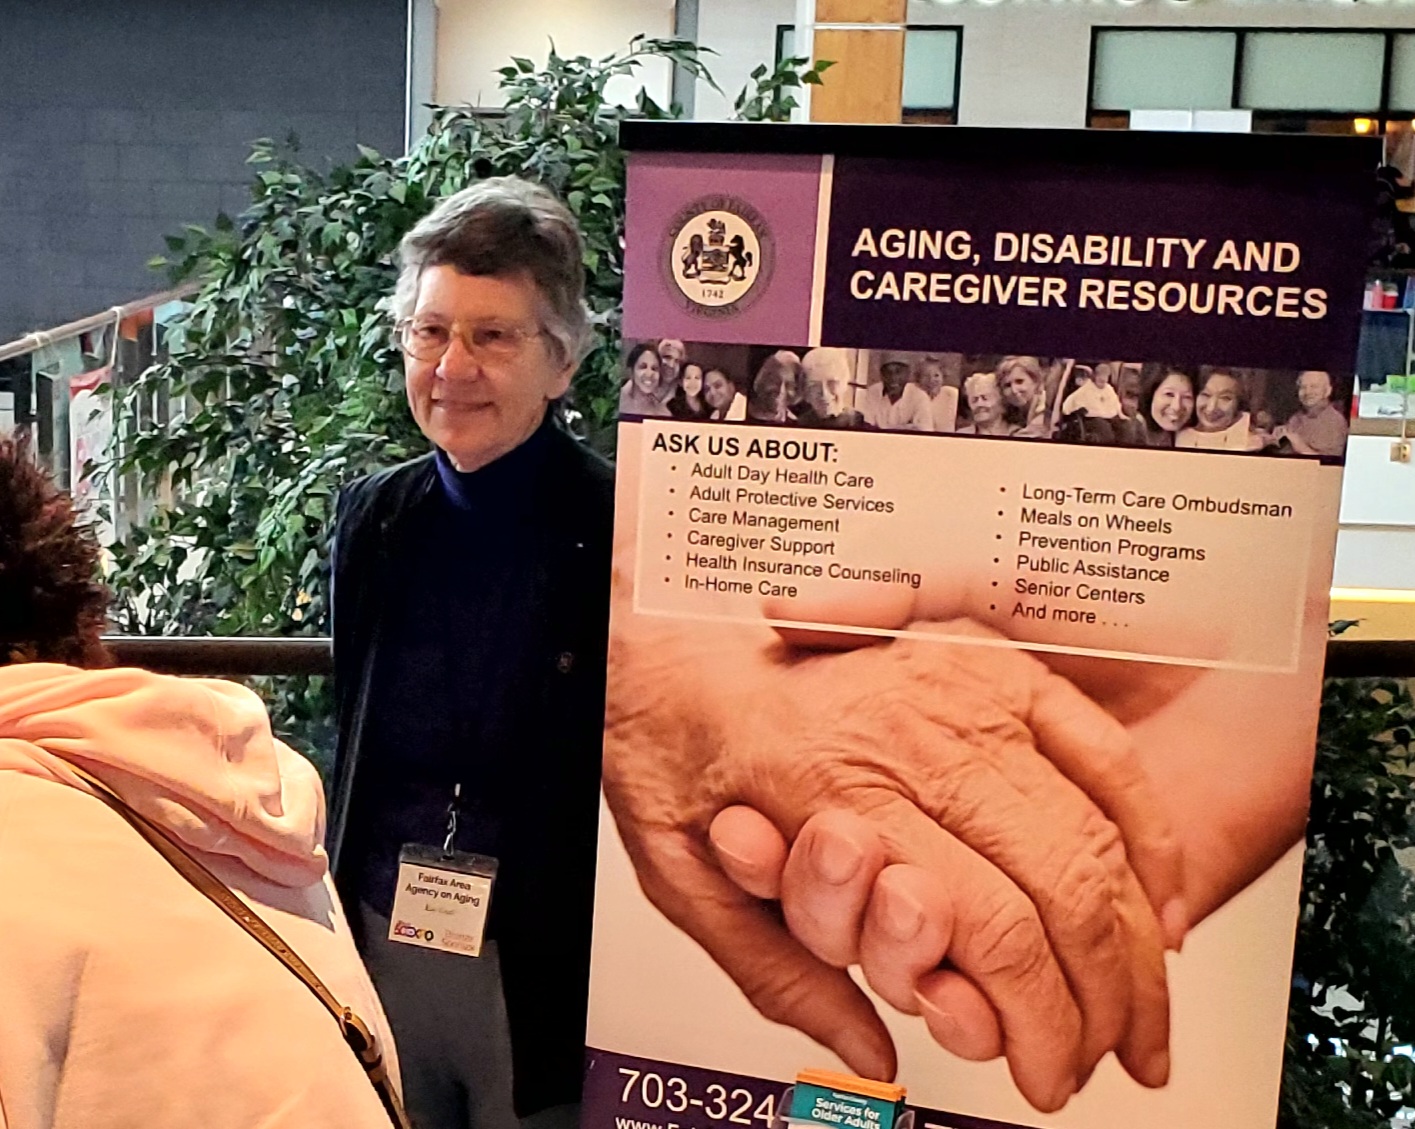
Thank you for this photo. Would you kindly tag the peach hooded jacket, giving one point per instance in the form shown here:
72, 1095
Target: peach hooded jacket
126, 997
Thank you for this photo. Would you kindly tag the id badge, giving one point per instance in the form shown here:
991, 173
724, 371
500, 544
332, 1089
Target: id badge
442, 899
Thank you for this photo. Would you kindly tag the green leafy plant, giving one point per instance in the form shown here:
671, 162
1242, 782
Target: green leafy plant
773, 97
281, 382
1351, 1017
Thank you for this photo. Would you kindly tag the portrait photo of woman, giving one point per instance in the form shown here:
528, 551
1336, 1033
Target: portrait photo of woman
1024, 393
1167, 406
1221, 416
689, 401
985, 405
639, 395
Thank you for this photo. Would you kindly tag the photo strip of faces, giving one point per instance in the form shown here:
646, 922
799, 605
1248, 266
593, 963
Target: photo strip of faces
1063, 399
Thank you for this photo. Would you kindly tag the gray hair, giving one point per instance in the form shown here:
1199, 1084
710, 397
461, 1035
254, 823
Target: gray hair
501, 226
978, 380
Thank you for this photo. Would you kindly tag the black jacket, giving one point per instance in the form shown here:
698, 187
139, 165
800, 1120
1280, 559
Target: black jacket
544, 910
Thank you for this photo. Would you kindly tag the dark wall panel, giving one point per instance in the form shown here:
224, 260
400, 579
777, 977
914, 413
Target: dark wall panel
120, 122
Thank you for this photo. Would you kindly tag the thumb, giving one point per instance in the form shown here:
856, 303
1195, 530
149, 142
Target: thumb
747, 939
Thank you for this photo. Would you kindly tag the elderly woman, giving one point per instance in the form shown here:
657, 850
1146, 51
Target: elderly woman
470, 616
984, 399
640, 394
1024, 392
825, 374
129, 998
1221, 419
1167, 406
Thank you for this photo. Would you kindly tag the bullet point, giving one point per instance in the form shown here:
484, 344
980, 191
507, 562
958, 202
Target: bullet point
670, 513
673, 468
669, 557
999, 513
670, 537
999, 536
992, 607
994, 560
671, 490
665, 580
1002, 489
994, 583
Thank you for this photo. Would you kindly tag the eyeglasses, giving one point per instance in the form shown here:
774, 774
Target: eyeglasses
488, 340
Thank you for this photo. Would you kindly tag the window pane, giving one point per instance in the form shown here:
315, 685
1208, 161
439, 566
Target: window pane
930, 67
785, 41
1164, 70
1402, 74
1285, 70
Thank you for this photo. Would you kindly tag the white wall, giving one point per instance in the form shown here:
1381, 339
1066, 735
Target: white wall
1376, 546
477, 37
743, 33
1027, 62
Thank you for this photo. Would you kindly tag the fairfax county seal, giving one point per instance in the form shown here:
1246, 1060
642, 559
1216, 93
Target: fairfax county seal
718, 255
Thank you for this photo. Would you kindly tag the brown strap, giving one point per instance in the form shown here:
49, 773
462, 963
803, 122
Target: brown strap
356, 1033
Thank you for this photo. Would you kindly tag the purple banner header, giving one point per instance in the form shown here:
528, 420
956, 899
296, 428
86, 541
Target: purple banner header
1190, 264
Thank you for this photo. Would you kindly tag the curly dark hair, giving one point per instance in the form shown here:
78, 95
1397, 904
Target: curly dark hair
52, 605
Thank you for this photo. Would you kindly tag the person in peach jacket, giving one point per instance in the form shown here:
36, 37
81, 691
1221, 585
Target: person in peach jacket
126, 996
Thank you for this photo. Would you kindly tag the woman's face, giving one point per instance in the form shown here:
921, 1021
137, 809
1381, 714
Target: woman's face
1173, 403
1217, 404
645, 374
985, 402
473, 405
1018, 387
692, 383
718, 389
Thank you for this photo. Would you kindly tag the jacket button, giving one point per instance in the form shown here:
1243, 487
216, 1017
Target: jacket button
564, 662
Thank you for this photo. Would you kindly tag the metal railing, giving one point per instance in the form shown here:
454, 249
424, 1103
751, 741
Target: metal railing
248, 656
42, 337
237, 657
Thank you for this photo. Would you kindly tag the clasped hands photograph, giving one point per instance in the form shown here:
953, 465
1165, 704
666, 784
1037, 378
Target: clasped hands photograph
1011, 845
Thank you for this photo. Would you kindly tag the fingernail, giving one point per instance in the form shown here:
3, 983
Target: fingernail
727, 852
835, 858
942, 1025
1174, 920
899, 914
1156, 1069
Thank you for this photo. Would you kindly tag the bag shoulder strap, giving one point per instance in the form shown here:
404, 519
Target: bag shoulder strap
357, 1034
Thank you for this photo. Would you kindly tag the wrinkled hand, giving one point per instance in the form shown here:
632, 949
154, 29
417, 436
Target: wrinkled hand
895, 921
972, 763
1233, 815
